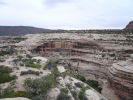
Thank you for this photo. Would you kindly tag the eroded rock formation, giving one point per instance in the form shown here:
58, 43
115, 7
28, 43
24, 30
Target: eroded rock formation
121, 79
129, 26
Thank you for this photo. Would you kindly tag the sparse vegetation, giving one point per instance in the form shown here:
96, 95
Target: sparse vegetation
19, 39
75, 95
51, 64
31, 63
79, 85
39, 86
5, 74
63, 95
30, 72
94, 84
10, 93
80, 77
81, 94
7, 51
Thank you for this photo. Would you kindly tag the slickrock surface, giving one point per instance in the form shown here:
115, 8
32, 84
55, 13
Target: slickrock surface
18, 98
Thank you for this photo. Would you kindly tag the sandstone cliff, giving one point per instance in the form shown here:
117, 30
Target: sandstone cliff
129, 26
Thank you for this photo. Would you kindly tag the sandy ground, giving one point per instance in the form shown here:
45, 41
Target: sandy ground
108, 92
20, 79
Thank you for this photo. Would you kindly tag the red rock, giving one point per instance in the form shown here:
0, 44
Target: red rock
129, 26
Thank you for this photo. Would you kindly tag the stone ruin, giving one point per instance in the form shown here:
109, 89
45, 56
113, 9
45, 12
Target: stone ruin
72, 46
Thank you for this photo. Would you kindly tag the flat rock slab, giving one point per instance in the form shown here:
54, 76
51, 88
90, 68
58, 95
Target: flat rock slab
18, 98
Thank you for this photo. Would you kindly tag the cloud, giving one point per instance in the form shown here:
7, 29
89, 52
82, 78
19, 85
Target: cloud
2, 2
54, 2
67, 14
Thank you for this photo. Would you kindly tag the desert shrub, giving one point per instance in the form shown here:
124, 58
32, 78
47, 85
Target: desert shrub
20, 94
7, 51
79, 85
28, 56
31, 63
51, 64
39, 86
19, 57
94, 84
81, 94
63, 95
30, 72
75, 95
10, 93
5, 74
6, 78
80, 77
64, 90
7, 93
5, 69
19, 39
15, 61
2, 60
55, 72
21, 64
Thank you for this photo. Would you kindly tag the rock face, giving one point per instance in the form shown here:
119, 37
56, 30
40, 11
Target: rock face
121, 79
129, 26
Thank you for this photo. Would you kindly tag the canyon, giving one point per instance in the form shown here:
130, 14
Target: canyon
78, 58
93, 55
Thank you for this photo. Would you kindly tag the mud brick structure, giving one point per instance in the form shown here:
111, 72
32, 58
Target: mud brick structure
55, 45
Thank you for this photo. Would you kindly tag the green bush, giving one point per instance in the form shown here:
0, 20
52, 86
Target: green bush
30, 72
20, 94
51, 64
75, 95
39, 86
5, 69
79, 85
81, 94
10, 93
80, 77
7, 51
31, 63
94, 84
55, 72
63, 95
19, 57
5, 74
64, 90
19, 39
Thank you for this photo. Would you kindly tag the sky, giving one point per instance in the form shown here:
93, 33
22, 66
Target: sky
67, 14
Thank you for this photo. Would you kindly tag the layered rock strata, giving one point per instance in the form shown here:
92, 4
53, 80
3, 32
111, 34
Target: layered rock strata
121, 79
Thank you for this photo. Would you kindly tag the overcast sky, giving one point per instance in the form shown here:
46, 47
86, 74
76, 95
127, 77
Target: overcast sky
66, 14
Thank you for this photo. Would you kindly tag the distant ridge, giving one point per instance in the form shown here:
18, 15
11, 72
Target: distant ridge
21, 30
129, 26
